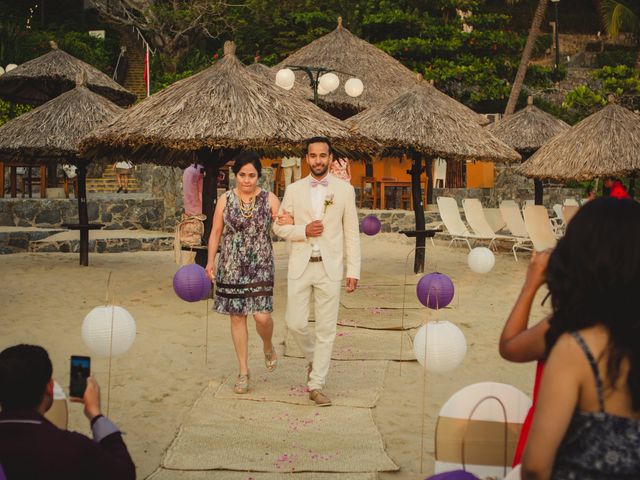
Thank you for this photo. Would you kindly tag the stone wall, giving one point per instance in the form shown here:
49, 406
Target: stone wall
115, 213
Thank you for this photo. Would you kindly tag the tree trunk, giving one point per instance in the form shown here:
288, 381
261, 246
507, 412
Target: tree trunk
418, 209
538, 16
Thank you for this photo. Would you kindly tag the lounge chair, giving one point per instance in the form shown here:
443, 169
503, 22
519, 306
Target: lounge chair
571, 201
513, 218
450, 215
568, 211
539, 228
476, 219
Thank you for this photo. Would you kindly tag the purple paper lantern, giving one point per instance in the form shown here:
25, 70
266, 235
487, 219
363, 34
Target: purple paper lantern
453, 475
435, 290
191, 283
370, 225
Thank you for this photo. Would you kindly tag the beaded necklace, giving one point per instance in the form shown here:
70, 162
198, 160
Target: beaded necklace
247, 208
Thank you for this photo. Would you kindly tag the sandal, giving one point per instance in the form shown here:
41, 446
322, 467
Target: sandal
242, 384
270, 360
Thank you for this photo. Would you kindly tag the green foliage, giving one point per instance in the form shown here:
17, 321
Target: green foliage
9, 111
582, 102
619, 80
616, 57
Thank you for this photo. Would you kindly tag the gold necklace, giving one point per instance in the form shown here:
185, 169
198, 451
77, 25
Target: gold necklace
247, 208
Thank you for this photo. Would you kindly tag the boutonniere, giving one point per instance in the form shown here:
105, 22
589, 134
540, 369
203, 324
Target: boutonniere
328, 201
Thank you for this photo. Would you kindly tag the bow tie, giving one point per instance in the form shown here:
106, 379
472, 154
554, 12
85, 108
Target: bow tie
315, 183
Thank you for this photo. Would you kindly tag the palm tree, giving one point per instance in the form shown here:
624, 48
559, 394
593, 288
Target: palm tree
538, 16
621, 16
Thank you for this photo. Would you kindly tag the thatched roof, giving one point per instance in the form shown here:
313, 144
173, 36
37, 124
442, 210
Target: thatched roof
222, 107
383, 76
53, 131
425, 121
41, 79
269, 74
528, 129
605, 143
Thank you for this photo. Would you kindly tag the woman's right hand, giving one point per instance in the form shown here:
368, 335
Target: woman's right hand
536, 273
209, 270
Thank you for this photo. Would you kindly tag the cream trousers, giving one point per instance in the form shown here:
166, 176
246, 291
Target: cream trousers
316, 347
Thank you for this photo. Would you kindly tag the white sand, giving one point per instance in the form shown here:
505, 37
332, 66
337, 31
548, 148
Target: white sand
45, 297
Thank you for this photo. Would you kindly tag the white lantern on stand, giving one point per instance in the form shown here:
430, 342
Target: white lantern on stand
108, 330
481, 260
11, 66
439, 346
329, 82
285, 78
1, 71
354, 87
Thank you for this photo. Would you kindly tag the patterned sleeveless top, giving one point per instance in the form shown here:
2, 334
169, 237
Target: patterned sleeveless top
339, 169
598, 445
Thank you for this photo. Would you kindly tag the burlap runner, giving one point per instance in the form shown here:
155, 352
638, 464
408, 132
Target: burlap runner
164, 474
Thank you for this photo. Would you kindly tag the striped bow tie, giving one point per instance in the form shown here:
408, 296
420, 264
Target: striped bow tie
315, 183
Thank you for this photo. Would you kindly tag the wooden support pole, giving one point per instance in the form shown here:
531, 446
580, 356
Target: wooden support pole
538, 190
83, 215
418, 208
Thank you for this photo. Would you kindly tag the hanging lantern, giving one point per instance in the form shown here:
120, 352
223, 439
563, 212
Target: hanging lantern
439, 346
329, 82
354, 87
11, 66
1, 71
322, 91
435, 290
285, 78
191, 283
104, 339
370, 225
481, 260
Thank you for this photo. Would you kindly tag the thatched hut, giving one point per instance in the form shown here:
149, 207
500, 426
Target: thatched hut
607, 143
52, 133
422, 123
41, 79
526, 131
213, 115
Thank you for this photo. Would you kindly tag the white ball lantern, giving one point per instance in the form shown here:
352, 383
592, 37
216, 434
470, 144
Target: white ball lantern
97, 330
1, 70
322, 91
10, 67
329, 82
285, 78
354, 87
481, 260
439, 346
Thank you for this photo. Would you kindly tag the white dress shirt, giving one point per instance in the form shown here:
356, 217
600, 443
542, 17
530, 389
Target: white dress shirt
318, 194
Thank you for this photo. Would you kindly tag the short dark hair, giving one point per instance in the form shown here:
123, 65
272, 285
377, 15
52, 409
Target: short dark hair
246, 158
25, 371
317, 140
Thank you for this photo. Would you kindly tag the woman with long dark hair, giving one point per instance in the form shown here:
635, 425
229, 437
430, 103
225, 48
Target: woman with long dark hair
587, 420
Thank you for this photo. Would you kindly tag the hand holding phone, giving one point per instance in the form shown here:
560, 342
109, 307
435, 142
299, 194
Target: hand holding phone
79, 372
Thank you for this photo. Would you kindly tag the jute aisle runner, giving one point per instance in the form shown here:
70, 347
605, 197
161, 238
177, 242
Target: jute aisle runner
277, 437
162, 474
376, 318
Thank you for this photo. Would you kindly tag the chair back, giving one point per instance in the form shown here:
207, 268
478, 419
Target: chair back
450, 215
571, 201
539, 228
512, 216
494, 218
568, 211
475, 217
557, 209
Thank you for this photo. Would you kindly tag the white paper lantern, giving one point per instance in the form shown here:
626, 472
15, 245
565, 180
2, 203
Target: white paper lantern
322, 91
285, 78
514, 474
1, 70
10, 67
97, 334
441, 345
354, 87
481, 260
329, 82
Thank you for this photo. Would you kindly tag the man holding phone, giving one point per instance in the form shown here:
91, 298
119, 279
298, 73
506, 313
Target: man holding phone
31, 446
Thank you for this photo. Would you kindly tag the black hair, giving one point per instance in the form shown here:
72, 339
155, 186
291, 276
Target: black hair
317, 140
594, 278
25, 371
246, 158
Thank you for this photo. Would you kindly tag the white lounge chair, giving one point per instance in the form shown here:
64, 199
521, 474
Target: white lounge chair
568, 211
513, 218
571, 201
450, 215
539, 228
476, 219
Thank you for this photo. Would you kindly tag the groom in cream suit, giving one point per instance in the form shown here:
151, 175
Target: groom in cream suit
324, 236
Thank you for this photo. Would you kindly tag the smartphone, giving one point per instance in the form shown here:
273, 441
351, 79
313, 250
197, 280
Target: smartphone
80, 371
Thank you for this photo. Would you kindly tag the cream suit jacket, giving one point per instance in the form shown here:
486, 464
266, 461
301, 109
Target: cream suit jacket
340, 237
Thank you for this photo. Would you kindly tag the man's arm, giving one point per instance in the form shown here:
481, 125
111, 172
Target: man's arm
289, 232
351, 236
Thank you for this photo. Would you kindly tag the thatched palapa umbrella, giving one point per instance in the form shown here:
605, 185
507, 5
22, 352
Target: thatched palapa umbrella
41, 79
526, 131
607, 143
52, 132
421, 123
214, 114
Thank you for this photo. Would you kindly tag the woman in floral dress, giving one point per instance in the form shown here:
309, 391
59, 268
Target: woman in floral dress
245, 269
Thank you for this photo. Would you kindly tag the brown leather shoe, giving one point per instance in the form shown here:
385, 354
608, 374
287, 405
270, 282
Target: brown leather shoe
320, 398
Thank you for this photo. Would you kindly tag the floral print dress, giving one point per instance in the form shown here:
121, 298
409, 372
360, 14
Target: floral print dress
245, 270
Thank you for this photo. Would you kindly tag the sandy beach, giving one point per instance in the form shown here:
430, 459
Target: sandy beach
45, 298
